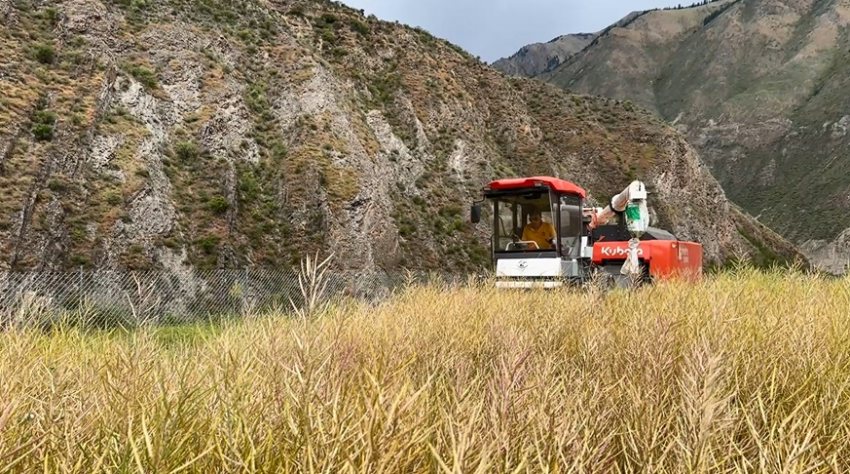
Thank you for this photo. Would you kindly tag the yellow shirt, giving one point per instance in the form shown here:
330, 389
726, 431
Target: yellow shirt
542, 235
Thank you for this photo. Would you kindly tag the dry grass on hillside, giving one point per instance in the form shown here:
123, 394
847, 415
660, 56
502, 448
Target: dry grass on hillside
745, 372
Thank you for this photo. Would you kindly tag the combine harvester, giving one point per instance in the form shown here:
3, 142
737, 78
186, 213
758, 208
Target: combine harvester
543, 236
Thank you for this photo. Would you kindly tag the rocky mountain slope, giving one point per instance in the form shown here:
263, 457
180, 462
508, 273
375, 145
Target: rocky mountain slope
212, 133
759, 88
538, 58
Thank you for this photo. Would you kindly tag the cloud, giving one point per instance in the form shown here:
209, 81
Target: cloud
498, 28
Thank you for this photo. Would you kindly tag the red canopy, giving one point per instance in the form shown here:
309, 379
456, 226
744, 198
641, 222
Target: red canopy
558, 185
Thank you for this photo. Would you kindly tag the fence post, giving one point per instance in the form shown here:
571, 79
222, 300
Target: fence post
80, 287
244, 291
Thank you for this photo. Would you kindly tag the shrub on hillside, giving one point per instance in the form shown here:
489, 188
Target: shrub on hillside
144, 75
44, 122
219, 204
44, 53
186, 151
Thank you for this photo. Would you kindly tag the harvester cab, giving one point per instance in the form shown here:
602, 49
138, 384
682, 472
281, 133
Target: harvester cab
544, 235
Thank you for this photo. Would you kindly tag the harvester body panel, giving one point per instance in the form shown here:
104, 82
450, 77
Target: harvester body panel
665, 258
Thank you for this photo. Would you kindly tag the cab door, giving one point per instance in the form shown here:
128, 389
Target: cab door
570, 225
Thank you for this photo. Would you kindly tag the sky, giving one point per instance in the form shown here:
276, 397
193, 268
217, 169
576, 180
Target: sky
498, 28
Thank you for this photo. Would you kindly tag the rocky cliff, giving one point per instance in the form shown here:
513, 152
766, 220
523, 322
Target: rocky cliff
538, 58
212, 133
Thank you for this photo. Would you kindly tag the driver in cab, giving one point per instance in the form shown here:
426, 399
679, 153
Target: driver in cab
542, 233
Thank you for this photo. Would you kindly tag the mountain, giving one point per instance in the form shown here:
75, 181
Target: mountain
538, 58
759, 88
220, 133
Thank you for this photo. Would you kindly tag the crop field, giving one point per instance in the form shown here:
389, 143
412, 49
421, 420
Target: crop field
745, 372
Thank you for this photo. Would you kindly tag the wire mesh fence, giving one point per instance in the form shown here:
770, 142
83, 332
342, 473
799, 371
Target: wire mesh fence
108, 298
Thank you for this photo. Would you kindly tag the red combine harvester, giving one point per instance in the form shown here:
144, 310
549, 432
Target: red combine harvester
543, 235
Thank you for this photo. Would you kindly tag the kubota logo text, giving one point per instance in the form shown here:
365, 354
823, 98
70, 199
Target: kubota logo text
618, 251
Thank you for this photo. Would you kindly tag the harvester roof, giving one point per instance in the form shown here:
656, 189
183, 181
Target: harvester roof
556, 184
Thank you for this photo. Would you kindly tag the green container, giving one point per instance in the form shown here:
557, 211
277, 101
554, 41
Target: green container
633, 212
